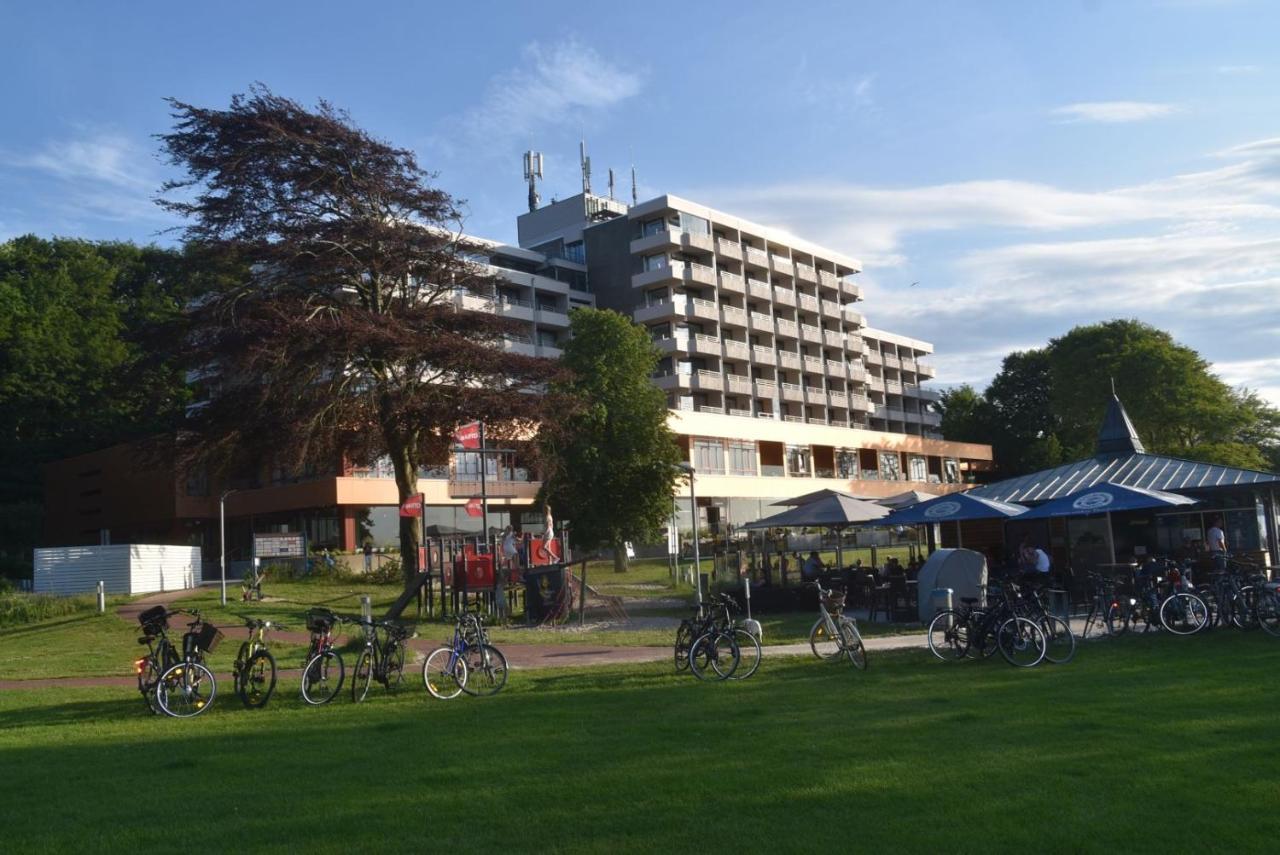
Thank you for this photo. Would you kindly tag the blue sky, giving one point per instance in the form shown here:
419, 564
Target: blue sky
1031, 165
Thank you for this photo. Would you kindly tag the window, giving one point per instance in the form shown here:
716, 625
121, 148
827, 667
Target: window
846, 463
951, 471
742, 458
798, 460
197, 482
655, 262
691, 225
653, 227
919, 468
575, 252
548, 339
708, 456
890, 466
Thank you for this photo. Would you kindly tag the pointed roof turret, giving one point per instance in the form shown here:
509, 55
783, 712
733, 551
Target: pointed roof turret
1117, 436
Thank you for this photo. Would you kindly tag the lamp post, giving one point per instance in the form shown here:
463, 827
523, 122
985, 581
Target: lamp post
222, 540
687, 468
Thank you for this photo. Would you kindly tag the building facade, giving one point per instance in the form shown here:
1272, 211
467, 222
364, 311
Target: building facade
776, 384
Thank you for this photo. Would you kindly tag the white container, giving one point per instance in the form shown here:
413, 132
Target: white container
125, 568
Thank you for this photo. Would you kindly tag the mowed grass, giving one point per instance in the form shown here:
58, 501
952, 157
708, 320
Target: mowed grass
1142, 744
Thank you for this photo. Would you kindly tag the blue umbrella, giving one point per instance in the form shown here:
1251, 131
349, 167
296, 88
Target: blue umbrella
1105, 498
953, 508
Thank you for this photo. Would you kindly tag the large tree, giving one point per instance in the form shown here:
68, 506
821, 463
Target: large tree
344, 339
609, 461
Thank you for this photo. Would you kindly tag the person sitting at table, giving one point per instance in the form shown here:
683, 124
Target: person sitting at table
813, 567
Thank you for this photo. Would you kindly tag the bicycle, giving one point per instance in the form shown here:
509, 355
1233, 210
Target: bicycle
254, 672
188, 687
1060, 642
446, 672
731, 651
690, 629
834, 633
382, 658
1101, 607
161, 655
486, 664
323, 671
974, 631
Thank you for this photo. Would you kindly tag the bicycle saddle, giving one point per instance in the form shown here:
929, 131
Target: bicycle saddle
968, 600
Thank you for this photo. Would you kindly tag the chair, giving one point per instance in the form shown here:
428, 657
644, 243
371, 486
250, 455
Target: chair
901, 606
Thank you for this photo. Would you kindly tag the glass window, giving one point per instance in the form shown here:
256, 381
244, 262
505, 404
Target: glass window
575, 252
919, 468
742, 458
890, 466
655, 262
653, 227
798, 459
689, 224
846, 463
951, 471
708, 456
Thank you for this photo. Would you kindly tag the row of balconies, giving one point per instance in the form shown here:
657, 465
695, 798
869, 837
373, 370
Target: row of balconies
701, 344
683, 307
714, 381
749, 255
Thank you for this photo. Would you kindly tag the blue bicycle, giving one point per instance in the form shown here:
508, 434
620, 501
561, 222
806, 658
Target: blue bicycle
468, 663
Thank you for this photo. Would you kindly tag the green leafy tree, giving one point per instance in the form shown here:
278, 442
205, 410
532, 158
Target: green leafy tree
1024, 435
966, 415
609, 460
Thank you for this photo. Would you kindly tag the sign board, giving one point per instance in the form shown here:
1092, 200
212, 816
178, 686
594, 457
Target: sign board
474, 508
468, 436
412, 506
673, 540
282, 545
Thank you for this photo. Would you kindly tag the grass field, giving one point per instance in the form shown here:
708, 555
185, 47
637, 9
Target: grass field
1142, 744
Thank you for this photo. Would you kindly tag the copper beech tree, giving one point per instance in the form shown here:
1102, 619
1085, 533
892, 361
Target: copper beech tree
340, 337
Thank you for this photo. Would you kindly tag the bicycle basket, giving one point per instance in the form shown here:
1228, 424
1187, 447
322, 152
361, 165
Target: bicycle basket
154, 620
834, 601
320, 620
208, 638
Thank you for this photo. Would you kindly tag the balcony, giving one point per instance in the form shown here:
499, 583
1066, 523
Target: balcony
848, 289
703, 344
875, 383
838, 399
756, 257
698, 274
860, 403
671, 382
853, 316
735, 412
833, 368
761, 322
666, 310
789, 359
797, 420
810, 333
762, 354
728, 248
892, 361
765, 389
707, 381
784, 297
734, 349
892, 414
666, 274
760, 290
781, 264
732, 283
808, 303
926, 370
792, 392
853, 343
551, 317
813, 363
704, 309
738, 383
834, 338
828, 279
857, 372
806, 273
873, 357
648, 244
522, 346
788, 328
929, 419
892, 387
832, 309
732, 317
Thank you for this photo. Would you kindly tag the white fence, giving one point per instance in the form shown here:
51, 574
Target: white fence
125, 568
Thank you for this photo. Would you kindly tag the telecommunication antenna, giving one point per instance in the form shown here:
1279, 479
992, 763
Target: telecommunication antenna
634, 199
532, 174
586, 166
610, 182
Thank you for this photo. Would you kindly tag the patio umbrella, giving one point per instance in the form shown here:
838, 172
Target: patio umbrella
907, 499
954, 507
797, 501
836, 512
1103, 499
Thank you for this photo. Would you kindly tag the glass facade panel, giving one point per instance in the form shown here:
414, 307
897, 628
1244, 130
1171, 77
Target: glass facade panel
846, 463
742, 458
689, 224
708, 456
919, 468
890, 466
798, 460
655, 262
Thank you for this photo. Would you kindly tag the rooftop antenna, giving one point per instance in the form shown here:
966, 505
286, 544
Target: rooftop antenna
586, 166
532, 174
634, 199
610, 182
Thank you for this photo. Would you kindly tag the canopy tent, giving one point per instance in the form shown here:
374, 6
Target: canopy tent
907, 499
836, 511
953, 508
809, 498
962, 570
1105, 498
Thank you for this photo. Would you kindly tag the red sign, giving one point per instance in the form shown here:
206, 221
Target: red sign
544, 551
468, 436
412, 506
473, 572
474, 508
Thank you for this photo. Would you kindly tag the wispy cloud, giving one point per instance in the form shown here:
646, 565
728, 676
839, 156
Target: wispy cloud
844, 95
1238, 69
555, 85
104, 157
1110, 112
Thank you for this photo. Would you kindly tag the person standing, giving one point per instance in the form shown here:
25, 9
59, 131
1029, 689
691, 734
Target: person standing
1041, 558
368, 556
1216, 544
549, 535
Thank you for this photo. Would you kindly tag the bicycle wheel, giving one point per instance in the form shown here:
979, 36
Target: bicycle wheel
362, 676
257, 680
1268, 611
1117, 620
714, 656
395, 668
1184, 614
851, 643
948, 636
1021, 642
148, 678
749, 653
322, 678
823, 641
486, 670
684, 638
443, 674
1060, 643
1246, 616
186, 690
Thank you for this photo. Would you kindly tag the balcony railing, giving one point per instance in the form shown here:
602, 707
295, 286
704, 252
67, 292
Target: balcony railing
728, 248
784, 297
736, 412
788, 328
734, 316
756, 256
810, 333
806, 273
733, 283
762, 354
756, 288
809, 303
759, 320
781, 264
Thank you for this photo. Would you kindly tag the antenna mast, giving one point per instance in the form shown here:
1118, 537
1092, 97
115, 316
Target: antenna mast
610, 182
586, 166
532, 174
634, 199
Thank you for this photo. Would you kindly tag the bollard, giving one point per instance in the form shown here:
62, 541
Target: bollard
366, 607
102, 597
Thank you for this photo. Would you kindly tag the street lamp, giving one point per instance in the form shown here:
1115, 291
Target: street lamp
687, 468
222, 539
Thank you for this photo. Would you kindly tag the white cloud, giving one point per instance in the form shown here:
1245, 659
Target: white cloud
554, 86
1238, 69
98, 156
842, 95
1113, 111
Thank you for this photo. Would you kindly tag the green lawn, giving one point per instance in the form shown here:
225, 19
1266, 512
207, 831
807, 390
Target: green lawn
1143, 744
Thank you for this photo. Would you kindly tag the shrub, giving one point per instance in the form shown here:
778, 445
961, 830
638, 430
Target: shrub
18, 608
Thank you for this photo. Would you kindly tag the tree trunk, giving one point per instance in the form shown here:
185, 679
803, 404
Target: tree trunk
406, 469
620, 560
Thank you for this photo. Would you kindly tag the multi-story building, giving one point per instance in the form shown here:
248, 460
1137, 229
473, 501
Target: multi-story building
776, 384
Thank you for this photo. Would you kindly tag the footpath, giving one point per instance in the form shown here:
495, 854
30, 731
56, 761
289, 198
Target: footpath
519, 656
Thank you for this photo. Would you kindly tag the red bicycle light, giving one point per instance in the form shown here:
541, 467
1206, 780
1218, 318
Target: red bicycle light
138, 665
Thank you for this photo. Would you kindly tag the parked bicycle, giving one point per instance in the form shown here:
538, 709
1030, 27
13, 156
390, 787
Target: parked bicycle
254, 672
691, 628
323, 670
978, 631
1060, 642
835, 634
1103, 603
161, 655
382, 658
188, 687
467, 663
1162, 598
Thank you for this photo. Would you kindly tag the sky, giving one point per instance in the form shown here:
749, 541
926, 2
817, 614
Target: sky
1005, 171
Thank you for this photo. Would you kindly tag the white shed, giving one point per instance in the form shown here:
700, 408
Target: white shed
125, 568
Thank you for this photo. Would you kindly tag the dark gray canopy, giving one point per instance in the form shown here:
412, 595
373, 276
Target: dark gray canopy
834, 511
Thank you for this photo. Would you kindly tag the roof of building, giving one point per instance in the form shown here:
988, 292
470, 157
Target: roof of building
1121, 459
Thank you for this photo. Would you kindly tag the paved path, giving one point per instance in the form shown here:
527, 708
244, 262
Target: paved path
519, 656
